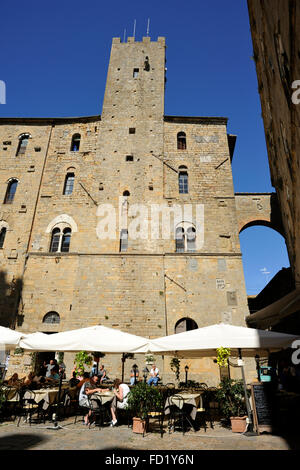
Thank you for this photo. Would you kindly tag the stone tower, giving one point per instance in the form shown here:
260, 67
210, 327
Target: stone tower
92, 244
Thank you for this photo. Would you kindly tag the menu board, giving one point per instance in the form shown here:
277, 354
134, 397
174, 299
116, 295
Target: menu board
262, 403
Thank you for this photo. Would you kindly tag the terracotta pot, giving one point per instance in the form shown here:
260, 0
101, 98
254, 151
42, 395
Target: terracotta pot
238, 424
139, 425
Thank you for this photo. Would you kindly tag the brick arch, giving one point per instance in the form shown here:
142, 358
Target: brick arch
254, 209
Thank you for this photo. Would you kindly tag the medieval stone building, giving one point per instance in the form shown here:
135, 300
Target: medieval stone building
275, 29
84, 216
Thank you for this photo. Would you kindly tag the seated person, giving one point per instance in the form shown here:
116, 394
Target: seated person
73, 382
54, 376
79, 374
14, 381
134, 377
154, 373
89, 388
28, 382
86, 378
120, 399
37, 382
102, 374
50, 366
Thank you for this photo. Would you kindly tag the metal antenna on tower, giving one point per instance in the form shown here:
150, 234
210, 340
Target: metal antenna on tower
148, 27
134, 26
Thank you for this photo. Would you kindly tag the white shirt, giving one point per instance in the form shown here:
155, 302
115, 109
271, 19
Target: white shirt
154, 372
125, 390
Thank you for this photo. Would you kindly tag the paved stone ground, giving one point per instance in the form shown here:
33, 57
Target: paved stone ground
78, 437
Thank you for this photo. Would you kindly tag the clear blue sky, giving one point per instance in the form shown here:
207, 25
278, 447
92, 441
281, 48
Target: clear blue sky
54, 59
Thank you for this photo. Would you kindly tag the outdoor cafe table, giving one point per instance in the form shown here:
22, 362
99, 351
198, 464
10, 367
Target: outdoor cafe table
192, 399
106, 397
48, 395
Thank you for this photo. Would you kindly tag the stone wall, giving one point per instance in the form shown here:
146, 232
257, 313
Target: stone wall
149, 288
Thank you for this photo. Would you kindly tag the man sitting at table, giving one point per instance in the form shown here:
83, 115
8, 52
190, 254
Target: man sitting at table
89, 388
154, 372
54, 375
121, 392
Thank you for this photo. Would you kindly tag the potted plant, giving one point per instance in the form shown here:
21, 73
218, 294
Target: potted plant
230, 396
141, 401
82, 358
223, 356
149, 359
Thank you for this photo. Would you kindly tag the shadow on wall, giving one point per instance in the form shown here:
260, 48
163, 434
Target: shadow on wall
276, 218
10, 296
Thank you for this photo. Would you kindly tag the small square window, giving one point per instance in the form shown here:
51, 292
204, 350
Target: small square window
131, 130
135, 73
129, 158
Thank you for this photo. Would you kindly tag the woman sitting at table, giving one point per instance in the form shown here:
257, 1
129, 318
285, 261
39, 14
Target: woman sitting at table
121, 392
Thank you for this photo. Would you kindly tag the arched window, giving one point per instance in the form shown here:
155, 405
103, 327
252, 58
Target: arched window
69, 184
55, 239
23, 141
183, 180
191, 239
2, 236
11, 191
181, 141
185, 324
180, 240
60, 240
185, 238
66, 240
75, 144
51, 317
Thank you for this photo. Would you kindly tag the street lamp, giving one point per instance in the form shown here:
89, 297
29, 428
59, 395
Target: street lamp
134, 371
186, 373
145, 373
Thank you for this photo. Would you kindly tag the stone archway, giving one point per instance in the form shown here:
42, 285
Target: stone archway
258, 209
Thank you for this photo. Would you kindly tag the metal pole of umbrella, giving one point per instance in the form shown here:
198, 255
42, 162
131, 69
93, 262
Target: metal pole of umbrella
56, 415
123, 363
250, 431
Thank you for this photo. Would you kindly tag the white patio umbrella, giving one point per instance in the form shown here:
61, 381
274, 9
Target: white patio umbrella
9, 339
93, 338
203, 342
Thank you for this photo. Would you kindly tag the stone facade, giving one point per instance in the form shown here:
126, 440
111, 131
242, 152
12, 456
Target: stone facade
275, 28
127, 165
